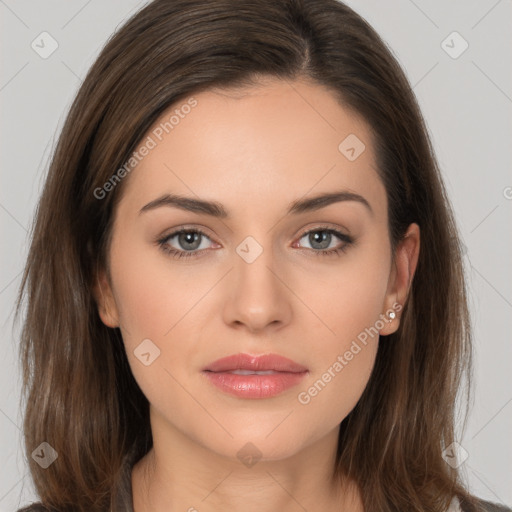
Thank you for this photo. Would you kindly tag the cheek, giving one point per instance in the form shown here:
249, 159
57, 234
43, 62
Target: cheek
349, 304
158, 300
153, 292
348, 299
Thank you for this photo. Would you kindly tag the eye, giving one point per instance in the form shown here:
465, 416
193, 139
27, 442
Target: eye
321, 239
190, 241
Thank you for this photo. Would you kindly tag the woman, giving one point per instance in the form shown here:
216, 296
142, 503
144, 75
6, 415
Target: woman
305, 351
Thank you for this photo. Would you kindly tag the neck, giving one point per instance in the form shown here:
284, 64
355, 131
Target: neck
179, 474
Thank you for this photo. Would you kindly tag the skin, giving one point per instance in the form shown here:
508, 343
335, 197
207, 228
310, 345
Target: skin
255, 151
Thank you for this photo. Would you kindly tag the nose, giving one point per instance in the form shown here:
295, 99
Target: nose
257, 296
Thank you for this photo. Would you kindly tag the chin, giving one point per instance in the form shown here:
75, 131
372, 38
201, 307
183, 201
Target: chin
260, 438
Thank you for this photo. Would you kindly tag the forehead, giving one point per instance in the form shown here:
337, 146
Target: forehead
264, 145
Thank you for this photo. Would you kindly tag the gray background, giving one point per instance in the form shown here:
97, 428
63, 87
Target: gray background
466, 102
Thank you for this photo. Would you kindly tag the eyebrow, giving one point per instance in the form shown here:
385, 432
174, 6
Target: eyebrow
215, 209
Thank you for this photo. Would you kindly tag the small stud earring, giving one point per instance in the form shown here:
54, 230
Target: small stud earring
391, 316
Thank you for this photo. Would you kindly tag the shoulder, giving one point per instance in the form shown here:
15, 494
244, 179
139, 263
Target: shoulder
489, 506
36, 507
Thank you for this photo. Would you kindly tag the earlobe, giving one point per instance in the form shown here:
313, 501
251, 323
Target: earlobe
105, 301
391, 319
404, 268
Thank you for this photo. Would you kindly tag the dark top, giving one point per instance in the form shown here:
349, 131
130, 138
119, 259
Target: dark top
124, 497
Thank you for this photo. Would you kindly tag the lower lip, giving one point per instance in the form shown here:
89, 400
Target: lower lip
254, 386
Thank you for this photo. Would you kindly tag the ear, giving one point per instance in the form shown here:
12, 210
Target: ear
107, 308
401, 276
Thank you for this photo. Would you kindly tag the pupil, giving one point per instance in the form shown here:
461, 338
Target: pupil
322, 235
189, 238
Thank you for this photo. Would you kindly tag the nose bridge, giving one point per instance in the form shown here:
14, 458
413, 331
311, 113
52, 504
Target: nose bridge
252, 270
257, 296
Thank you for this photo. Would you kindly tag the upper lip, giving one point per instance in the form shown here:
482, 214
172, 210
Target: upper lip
256, 363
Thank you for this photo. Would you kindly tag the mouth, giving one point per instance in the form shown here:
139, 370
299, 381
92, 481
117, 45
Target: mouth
248, 376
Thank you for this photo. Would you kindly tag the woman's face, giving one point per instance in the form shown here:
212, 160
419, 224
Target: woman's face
264, 277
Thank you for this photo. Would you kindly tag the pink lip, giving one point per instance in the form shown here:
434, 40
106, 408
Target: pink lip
256, 363
286, 374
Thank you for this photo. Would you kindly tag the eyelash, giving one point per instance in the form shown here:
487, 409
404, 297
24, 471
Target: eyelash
175, 253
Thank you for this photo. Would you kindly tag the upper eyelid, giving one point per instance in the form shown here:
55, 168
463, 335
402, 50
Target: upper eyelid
325, 228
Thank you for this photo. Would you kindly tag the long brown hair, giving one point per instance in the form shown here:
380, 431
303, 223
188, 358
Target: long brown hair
81, 397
